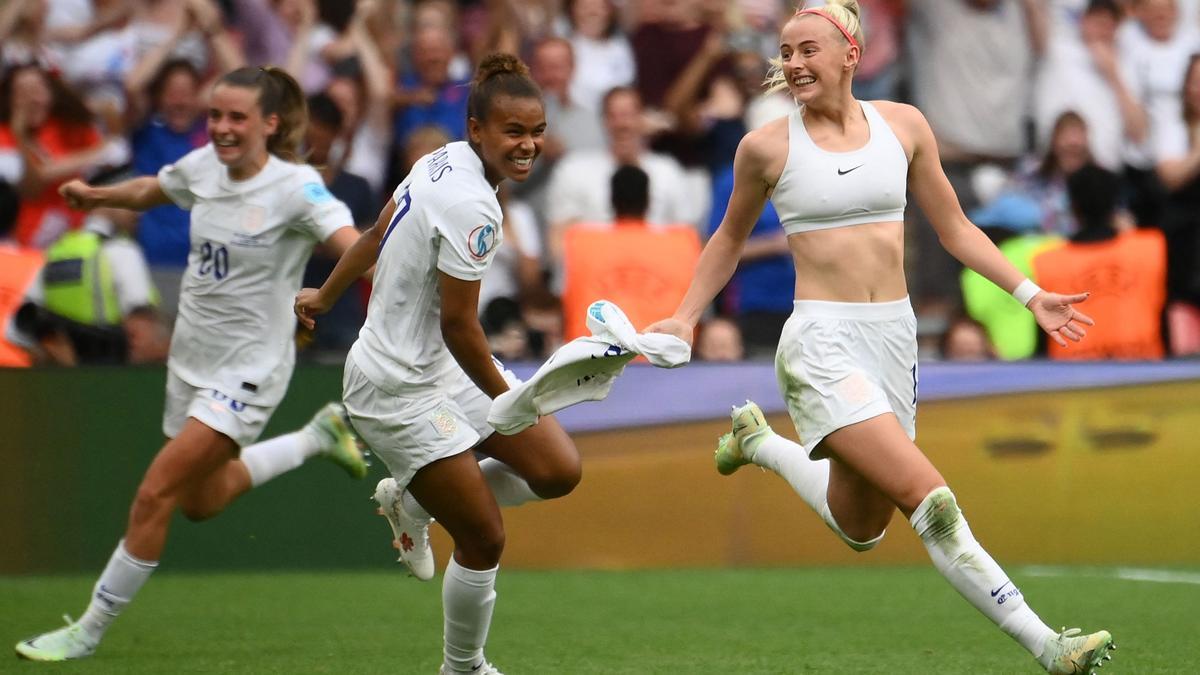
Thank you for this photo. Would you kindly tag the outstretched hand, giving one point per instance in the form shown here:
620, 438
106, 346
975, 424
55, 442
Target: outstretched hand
1056, 314
672, 326
309, 304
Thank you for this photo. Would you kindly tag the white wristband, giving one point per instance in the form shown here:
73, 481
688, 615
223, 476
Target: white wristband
1025, 291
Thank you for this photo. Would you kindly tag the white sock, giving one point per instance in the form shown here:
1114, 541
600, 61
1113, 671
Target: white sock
973, 573
809, 479
508, 487
468, 597
119, 582
276, 456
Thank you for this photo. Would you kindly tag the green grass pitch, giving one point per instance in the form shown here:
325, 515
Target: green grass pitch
846, 620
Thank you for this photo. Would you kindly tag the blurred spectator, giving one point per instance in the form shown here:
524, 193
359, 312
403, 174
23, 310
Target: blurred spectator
719, 340
1125, 273
19, 267
645, 271
1011, 328
1082, 71
966, 340
879, 69
516, 270
760, 295
313, 44
176, 125
1155, 49
1178, 145
1043, 180
603, 57
569, 126
707, 103
335, 335
23, 34
666, 41
47, 137
507, 334
761, 107
325, 125
428, 93
362, 88
94, 301
575, 196
972, 68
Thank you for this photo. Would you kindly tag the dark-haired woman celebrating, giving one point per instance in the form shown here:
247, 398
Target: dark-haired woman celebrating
256, 214
420, 379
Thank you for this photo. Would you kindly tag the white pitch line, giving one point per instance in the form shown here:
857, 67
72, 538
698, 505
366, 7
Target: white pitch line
1124, 573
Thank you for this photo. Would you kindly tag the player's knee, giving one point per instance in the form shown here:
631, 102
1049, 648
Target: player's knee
864, 539
151, 503
556, 481
198, 512
483, 548
938, 515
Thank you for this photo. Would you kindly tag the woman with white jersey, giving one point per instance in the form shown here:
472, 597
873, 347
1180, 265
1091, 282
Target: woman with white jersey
256, 213
837, 171
420, 379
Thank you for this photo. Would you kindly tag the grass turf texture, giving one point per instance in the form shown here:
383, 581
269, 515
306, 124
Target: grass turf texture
846, 620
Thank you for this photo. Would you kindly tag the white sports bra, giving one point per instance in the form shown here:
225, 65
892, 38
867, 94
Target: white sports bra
819, 190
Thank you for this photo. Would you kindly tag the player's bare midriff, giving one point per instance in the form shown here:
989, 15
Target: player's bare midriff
857, 263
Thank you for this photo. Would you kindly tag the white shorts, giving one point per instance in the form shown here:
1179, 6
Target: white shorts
410, 432
242, 422
840, 363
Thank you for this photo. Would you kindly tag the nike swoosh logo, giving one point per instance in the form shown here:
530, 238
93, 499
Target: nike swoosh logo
997, 591
843, 173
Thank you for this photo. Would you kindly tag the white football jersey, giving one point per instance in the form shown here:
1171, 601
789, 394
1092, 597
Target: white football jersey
447, 218
250, 241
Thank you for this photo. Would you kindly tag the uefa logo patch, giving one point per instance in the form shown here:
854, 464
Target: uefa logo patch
316, 193
482, 240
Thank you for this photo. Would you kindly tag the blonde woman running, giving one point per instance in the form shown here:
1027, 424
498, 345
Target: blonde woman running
837, 171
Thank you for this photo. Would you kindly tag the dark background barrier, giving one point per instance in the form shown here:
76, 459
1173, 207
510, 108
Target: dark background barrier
1092, 475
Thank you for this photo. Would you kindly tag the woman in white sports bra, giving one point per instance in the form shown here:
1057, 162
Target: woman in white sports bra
837, 171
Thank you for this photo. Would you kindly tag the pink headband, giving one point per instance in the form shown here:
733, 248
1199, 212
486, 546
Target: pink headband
837, 24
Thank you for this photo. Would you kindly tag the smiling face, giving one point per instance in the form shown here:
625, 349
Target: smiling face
510, 137
817, 59
238, 129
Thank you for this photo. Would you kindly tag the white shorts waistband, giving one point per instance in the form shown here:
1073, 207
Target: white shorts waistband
858, 311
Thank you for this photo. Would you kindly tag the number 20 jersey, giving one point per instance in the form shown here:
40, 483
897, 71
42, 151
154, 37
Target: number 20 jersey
250, 241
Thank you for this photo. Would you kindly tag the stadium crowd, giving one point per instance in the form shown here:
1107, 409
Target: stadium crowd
1070, 130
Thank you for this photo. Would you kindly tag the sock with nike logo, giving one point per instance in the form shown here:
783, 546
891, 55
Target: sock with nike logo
119, 582
973, 573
